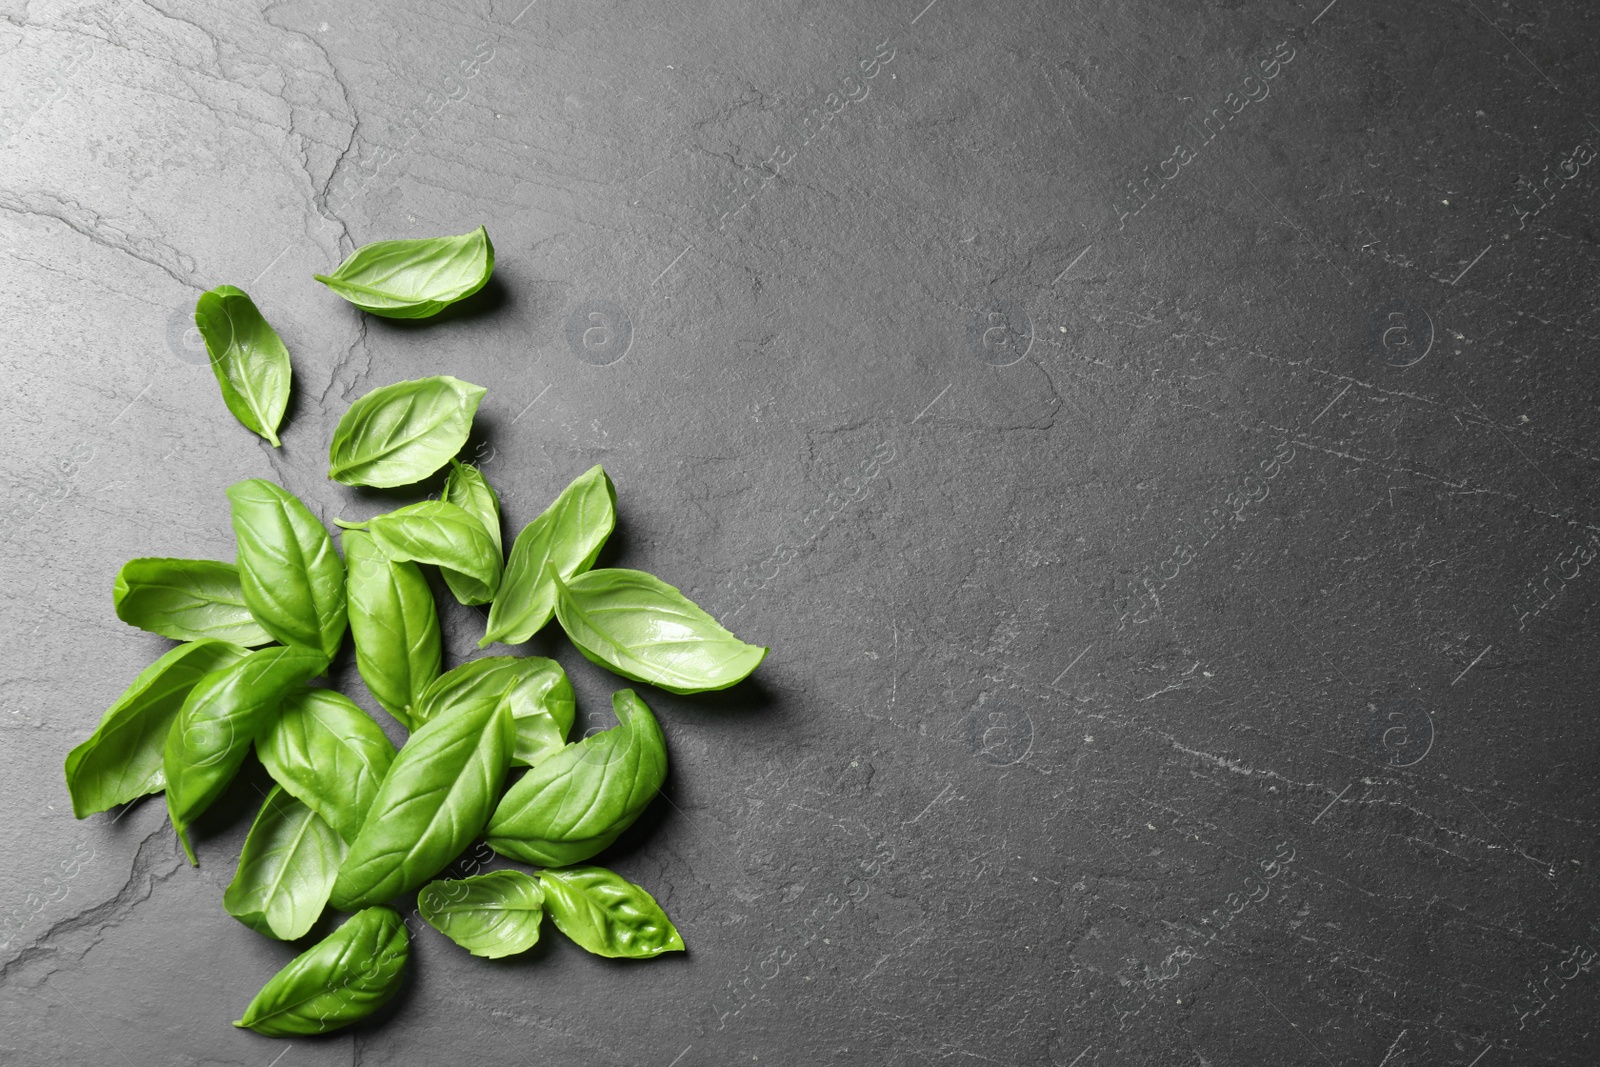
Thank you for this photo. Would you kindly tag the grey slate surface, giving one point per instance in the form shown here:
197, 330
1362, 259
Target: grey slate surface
1178, 563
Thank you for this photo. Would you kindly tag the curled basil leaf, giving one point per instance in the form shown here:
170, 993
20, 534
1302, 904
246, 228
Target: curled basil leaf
444, 535
536, 690
401, 433
567, 536
186, 600
635, 624
573, 804
328, 753
490, 915
249, 360
121, 760
395, 624
413, 279
345, 977
290, 859
467, 488
292, 578
607, 914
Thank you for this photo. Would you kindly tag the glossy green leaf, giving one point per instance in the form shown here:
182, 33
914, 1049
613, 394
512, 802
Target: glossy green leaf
490, 915
328, 753
446, 536
573, 804
186, 600
121, 760
468, 489
413, 279
286, 870
399, 434
249, 360
567, 536
219, 720
438, 794
292, 578
395, 624
607, 914
536, 690
345, 977
635, 624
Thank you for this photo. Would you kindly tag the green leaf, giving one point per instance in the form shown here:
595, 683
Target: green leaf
395, 624
401, 433
292, 578
567, 536
186, 600
534, 688
346, 976
329, 754
438, 794
219, 719
573, 804
490, 915
467, 488
446, 536
413, 279
249, 360
121, 760
290, 859
635, 624
607, 914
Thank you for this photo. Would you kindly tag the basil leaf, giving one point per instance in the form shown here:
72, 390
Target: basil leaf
292, 578
446, 536
287, 867
413, 279
568, 536
219, 719
534, 688
490, 915
186, 600
395, 624
635, 624
249, 360
329, 754
576, 802
607, 914
467, 488
401, 433
121, 760
438, 793
346, 976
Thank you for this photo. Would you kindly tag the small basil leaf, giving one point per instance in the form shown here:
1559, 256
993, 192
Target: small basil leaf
467, 488
219, 719
573, 804
292, 578
401, 433
534, 688
395, 624
346, 976
607, 914
121, 760
186, 600
328, 753
568, 535
490, 915
438, 794
290, 859
249, 360
635, 624
446, 536
413, 279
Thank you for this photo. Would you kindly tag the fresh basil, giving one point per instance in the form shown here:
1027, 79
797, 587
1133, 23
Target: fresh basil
438, 794
573, 804
413, 279
290, 859
399, 434
186, 600
607, 914
467, 488
445, 535
346, 976
292, 578
567, 536
395, 624
635, 624
328, 753
490, 915
121, 760
249, 360
219, 719
536, 690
